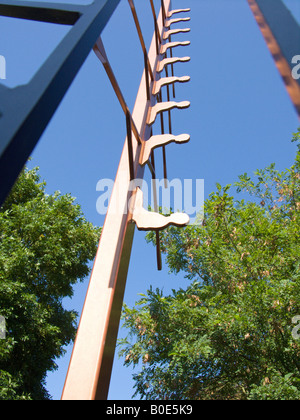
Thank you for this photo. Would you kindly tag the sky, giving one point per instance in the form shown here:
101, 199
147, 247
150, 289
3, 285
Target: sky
241, 119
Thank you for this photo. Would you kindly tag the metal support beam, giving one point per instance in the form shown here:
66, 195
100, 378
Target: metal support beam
22, 126
93, 353
282, 35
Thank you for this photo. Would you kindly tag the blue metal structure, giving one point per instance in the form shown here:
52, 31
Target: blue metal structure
22, 126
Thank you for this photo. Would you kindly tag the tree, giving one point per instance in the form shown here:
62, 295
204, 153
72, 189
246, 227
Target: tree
45, 247
230, 333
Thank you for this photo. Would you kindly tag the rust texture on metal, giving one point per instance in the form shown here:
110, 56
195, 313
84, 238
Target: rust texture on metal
91, 362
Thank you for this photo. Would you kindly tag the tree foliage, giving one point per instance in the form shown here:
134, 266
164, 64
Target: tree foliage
228, 335
45, 247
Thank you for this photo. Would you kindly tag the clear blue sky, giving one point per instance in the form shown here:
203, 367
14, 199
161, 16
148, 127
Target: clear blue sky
240, 119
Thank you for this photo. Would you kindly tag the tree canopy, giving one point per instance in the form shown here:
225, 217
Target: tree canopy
230, 333
45, 248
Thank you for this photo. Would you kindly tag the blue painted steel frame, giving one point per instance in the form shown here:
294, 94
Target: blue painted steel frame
25, 111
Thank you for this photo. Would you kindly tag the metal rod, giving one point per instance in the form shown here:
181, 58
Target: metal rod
171, 53
165, 166
172, 67
147, 76
156, 209
153, 181
129, 144
101, 54
147, 71
158, 252
164, 16
138, 27
158, 37
168, 97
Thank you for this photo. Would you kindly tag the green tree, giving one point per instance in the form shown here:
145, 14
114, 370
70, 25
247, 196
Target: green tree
45, 247
228, 335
